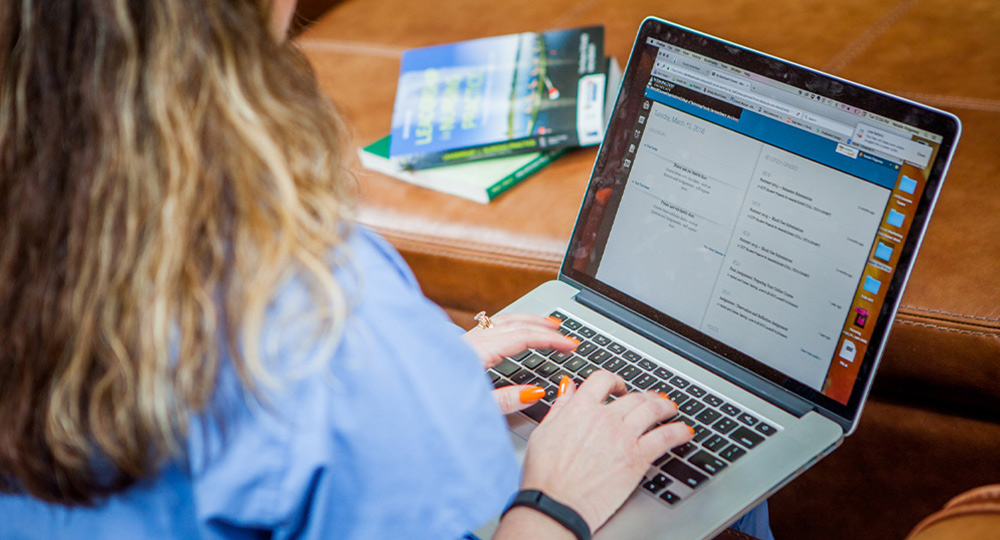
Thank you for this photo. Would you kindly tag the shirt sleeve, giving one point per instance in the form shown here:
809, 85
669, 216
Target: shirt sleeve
392, 433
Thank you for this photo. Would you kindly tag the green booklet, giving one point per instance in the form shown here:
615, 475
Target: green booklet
479, 181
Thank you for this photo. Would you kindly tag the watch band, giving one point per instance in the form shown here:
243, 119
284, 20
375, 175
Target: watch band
562, 514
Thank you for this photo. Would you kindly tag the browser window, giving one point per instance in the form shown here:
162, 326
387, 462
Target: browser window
771, 216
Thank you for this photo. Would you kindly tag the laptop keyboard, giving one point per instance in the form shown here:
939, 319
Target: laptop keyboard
723, 431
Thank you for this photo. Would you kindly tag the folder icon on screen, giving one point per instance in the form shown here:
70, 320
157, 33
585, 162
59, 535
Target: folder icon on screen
895, 218
872, 285
907, 185
883, 251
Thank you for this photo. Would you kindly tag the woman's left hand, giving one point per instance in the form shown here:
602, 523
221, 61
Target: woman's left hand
511, 334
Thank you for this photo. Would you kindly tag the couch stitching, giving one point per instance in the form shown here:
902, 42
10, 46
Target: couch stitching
949, 329
873, 32
941, 312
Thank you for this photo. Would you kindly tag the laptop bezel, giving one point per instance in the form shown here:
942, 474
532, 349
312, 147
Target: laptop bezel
750, 373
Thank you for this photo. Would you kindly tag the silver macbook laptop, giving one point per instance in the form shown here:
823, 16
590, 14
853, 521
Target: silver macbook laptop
743, 246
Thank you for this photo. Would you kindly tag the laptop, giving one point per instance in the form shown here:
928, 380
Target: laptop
743, 246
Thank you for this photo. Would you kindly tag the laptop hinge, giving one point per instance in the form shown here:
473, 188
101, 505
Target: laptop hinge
682, 346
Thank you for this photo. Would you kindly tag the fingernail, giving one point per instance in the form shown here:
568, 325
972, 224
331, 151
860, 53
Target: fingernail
532, 394
691, 429
563, 385
554, 320
664, 396
573, 339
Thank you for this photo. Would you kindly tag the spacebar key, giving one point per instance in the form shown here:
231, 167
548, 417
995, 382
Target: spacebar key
685, 474
537, 411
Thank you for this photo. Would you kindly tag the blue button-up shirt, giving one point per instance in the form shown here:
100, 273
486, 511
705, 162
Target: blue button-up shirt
388, 433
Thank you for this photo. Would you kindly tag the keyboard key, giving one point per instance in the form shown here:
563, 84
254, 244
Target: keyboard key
545, 352
546, 369
708, 416
687, 420
725, 425
532, 361
550, 393
522, 377
629, 372
732, 453
766, 429
586, 332
686, 474
701, 432
746, 437
602, 340
494, 376
697, 391
662, 388
713, 400
679, 382
585, 348
572, 324
537, 411
575, 363
502, 383
559, 315
557, 376
506, 367
663, 373
747, 419
647, 364
678, 396
521, 355
614, 364
617, 348
729, 409
587, 370
692, 407
631, 356
600, 356
644, 381
716, 443
684, 449
560, 357
657, 482
707, 462
670, 497
662, 459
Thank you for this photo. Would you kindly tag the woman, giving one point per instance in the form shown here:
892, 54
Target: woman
197, 341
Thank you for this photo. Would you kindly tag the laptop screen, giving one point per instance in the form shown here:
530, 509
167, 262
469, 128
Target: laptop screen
766, 212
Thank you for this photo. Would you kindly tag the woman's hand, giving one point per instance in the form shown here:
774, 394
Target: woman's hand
510, 335
590, 456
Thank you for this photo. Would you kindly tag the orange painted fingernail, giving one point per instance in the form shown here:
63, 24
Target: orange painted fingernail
664, 396
573, 339
555, 320
532, 394
691, 429
563, 385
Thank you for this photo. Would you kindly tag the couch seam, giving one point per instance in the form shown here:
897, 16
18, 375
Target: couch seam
942, 312
949, 329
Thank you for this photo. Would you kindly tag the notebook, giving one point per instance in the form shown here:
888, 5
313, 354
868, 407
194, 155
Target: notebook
743, 244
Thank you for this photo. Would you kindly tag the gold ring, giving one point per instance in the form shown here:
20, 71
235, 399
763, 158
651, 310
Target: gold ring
484, 321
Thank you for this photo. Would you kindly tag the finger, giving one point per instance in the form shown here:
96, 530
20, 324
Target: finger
600, 385
661, 440
646, 409
515, 398
567, 388
523, 319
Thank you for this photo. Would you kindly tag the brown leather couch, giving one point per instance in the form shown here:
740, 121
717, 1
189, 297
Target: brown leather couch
930, 429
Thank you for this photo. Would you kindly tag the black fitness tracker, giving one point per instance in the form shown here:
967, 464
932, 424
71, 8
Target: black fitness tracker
562, 514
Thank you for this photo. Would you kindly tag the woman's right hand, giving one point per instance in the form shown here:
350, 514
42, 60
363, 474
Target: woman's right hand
590, 456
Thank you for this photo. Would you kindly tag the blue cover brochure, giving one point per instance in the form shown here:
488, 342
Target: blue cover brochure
499, 96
